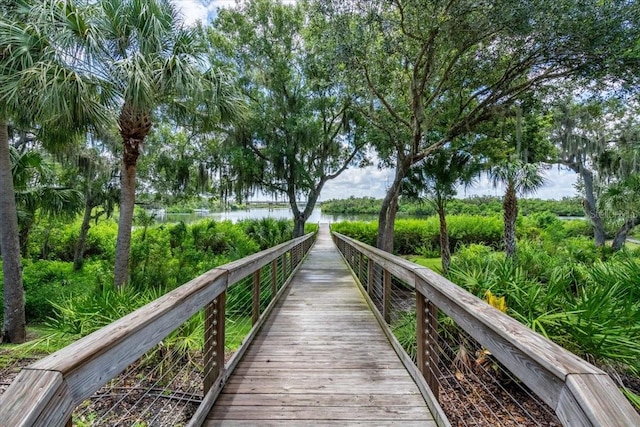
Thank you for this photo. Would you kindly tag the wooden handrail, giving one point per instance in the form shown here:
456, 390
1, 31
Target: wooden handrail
580, 393
47, 392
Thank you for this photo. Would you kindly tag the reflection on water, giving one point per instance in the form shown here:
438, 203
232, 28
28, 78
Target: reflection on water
316, 216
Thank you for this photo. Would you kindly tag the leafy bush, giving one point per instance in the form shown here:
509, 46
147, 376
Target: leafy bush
54, 240
268, 232
365, 232
476, 205
82, 314
587, 305
49, 281
412, 235
578, 228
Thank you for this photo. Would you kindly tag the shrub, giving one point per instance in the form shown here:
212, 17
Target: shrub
48, 282
413, 235
586, 305
268, 232
578, 228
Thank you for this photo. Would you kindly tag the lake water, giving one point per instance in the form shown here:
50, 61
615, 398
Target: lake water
278, 213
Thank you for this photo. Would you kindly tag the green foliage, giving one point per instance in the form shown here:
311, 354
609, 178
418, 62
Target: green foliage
362, 231
311, 227
404, 328
477, 205
82, 314
414, 236
268, 232
47, 281
162, 257
55, 240
588, 305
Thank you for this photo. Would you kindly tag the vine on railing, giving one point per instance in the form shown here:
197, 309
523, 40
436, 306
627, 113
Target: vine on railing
483, 367
163, 364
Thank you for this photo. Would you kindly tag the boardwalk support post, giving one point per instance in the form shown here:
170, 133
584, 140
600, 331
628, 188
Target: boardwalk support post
370, 272
426, 339
386, 296
214, 336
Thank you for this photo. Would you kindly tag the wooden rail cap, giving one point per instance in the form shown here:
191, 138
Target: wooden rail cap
580, 393
46, 393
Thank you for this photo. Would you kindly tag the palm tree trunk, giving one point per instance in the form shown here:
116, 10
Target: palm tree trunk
621, 235
445, 252
14, 326
78, 254
127, 202
510, 206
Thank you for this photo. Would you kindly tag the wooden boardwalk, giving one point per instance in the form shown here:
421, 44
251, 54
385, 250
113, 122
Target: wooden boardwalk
321, 359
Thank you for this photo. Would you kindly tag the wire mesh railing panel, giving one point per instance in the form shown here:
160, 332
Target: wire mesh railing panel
474, 389
402, 315
150, 380
239, 311
265, 287
163, 387
376, 287
471, 386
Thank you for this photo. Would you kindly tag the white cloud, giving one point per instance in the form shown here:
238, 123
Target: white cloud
365, 182
559, 183
203, 10
192, 11
373, 182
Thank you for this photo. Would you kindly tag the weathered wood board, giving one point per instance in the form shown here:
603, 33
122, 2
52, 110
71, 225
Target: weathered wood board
321, 359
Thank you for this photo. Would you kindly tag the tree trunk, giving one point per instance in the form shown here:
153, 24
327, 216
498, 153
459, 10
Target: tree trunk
621, 234
510, 206
134, 127
14, 323
387, 217
78, 254
298, 226
590, 207
125, 221
445, 252
23, 234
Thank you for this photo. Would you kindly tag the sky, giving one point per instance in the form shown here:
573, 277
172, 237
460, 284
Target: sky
371, 181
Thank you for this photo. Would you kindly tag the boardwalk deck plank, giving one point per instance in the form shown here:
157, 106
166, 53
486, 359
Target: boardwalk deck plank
321, 359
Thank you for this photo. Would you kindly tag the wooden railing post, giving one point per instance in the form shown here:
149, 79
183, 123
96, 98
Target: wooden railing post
352, 257
386, 296
361, 267
214, 321
274, 278
370, 273
255, 313
426, 339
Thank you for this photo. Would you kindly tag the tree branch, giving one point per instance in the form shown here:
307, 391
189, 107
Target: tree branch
382, 99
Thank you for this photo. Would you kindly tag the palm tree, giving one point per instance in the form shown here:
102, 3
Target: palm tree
145, 56
437, 177
519, 178
36, 191
36, 88
140, 57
